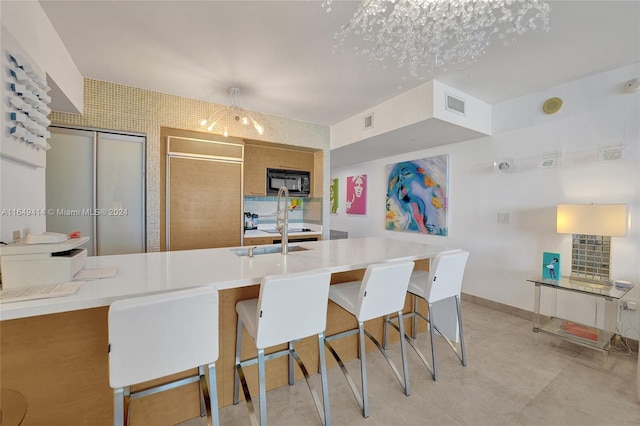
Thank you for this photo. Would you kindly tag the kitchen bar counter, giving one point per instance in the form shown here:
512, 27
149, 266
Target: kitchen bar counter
54, 351
147, 273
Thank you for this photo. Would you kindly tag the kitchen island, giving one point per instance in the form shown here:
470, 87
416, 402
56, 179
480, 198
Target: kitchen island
54, 351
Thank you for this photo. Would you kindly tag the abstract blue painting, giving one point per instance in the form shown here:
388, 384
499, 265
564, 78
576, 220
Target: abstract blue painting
417, 196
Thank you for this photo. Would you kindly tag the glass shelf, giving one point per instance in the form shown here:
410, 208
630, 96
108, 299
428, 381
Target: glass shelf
570, 284
554, 328
584, 335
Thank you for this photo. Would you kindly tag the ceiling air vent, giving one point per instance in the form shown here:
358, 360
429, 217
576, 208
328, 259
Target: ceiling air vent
368, 121
455, 104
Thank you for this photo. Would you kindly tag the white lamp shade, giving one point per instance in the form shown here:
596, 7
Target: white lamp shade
592, 219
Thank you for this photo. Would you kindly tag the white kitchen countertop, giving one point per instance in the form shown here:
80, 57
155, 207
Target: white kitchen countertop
147, 273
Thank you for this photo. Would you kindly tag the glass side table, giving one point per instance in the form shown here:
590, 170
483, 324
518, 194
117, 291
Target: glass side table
581, 334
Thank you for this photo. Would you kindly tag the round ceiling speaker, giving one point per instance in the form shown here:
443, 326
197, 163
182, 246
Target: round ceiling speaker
632, 85
552, 105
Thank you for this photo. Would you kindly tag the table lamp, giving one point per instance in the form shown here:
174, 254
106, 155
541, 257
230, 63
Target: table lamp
592, 226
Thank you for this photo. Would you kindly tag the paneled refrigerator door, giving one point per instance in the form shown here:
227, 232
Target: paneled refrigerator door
120, 194
204, 200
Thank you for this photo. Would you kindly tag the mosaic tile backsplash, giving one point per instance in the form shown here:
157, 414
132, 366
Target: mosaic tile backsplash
306, 210
113, 106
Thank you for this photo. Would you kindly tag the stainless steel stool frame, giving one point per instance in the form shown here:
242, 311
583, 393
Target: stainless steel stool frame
415, 314
208, 395
363, 401
290, 307
239, 378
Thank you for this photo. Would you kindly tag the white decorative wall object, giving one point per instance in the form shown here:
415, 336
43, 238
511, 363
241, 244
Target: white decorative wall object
29, 102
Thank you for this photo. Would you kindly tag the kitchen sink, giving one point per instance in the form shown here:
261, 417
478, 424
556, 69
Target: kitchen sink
244, 251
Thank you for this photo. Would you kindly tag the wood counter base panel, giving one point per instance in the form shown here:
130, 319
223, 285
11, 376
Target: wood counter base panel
59, 363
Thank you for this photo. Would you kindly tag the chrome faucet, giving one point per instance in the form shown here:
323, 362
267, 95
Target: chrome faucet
284, 226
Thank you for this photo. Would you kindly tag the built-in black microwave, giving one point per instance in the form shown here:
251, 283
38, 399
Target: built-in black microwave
298, 182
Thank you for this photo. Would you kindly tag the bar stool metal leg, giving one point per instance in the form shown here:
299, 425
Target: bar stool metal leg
323, 377
263, 388
291, 373
432, 335
403, 351
385, 332
414, 322
212, 397
363, 370
463, 350
236, 377
119, 404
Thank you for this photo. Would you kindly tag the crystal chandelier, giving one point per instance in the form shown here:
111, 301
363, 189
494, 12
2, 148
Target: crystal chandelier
438, 34
226, 117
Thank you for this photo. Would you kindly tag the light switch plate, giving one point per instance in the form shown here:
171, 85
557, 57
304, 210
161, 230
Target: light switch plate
504, 217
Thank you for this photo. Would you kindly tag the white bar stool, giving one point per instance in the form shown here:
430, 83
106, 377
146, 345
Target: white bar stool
159, 335
443, 281
382, 291
290, 307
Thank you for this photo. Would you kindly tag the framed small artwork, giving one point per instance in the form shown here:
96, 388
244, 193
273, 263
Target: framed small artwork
417, 196
356, 194
550, 266
334, 195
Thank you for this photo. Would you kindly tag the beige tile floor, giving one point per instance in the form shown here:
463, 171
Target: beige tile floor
513, 377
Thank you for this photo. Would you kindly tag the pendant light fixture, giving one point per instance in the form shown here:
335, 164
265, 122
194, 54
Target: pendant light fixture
227, 117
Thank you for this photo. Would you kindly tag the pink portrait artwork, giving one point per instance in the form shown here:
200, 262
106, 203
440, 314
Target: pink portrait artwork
357, 194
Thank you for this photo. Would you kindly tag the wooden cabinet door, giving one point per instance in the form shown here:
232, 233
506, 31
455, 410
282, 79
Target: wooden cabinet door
255, 170
289, 159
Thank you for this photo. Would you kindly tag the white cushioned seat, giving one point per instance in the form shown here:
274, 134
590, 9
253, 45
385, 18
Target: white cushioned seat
345, 295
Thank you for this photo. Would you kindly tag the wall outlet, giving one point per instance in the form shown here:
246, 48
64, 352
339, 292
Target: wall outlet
606, 153
17, 234
628, 305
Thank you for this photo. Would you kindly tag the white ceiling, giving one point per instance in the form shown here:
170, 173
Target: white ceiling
280, 53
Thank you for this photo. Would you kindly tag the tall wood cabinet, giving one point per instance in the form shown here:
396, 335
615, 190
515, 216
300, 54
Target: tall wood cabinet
202, 190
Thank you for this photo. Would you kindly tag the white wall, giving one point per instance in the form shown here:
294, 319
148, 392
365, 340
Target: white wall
22, 185
29, 24
26, 30
595, 113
